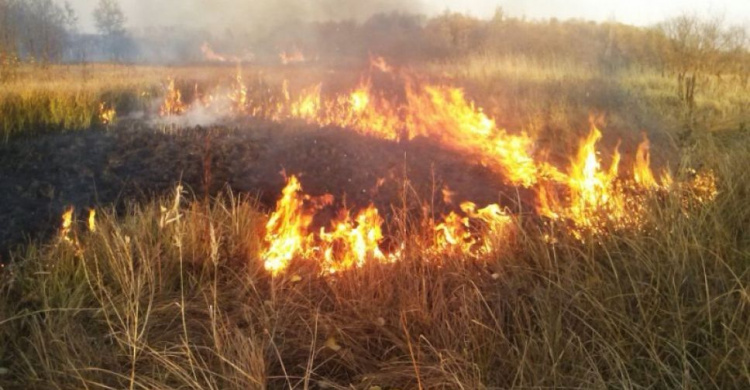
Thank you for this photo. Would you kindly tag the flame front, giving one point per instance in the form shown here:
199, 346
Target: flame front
586, 196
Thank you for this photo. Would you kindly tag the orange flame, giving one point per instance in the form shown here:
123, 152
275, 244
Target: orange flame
67, 223
642, 170
172, 104
210, 55
92, 220
107, 114
453, 235
238, 96
380, 64
587, 194
294, 56
286, 230
445, 114
351, 244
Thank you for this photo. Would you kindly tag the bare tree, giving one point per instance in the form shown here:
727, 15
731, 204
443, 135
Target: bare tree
702, 46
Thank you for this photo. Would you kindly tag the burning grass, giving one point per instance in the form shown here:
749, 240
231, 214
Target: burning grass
175, 294
601, 275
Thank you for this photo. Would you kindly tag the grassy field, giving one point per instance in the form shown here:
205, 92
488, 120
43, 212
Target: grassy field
173, 293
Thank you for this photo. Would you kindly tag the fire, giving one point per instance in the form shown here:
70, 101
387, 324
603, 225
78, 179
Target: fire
172, 104
238, 96
594, 198
642, 171
293, 56
107, 114
210, 55
455, 235
92, 220
286, 230
587, 195
380, 64
366, 114
308, 105
494, 217
67, 223
351, 243
443, 113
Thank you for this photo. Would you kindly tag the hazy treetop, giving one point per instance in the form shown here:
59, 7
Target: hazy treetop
233, 14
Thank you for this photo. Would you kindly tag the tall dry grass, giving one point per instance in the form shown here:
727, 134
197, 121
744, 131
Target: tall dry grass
68, 97
173, 295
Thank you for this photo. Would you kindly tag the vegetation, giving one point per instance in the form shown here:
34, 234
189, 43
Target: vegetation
173, 293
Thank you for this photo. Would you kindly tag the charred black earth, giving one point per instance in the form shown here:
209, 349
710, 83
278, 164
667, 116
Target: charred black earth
42, 175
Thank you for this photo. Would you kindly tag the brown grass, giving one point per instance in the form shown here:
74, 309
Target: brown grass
174, 295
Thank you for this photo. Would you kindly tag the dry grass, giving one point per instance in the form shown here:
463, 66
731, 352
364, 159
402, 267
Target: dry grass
59, 97
167, 296
179, 299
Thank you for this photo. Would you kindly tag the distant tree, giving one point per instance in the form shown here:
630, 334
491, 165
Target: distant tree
32, 30
109, 18
70, 17
454, 33
110, 22
702, 46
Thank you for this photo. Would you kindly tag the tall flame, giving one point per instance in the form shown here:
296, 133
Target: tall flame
92, 220
286, 230
642, 171
67, 223
172, 104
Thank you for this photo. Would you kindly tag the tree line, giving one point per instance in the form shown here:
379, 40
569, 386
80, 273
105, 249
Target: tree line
45, 31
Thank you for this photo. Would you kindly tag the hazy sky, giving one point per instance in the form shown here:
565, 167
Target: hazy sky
143, 13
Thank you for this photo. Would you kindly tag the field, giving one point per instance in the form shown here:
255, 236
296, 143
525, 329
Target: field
171, 283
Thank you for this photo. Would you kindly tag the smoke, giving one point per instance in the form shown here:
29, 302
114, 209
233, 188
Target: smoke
259, 16
169, 31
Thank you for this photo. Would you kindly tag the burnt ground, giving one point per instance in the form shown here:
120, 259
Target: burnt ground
42, 175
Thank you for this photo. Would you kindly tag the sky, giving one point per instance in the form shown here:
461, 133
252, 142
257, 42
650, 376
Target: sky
144, 13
